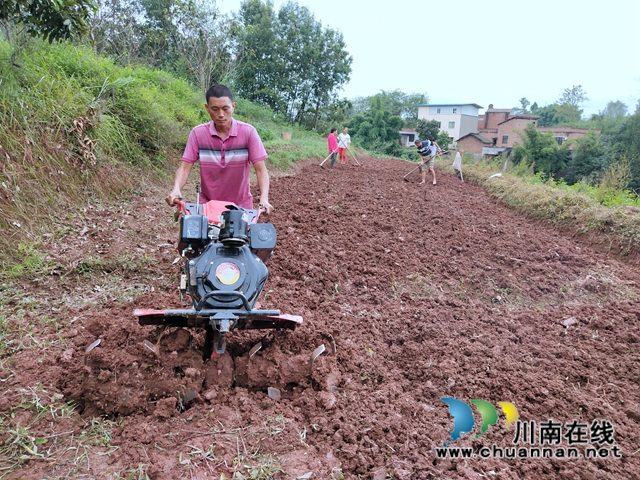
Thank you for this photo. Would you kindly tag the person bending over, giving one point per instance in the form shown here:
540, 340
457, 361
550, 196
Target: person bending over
427, 150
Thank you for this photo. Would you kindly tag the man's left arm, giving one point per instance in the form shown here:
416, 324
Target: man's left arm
263, 184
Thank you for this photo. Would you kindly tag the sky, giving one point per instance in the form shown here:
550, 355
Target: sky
487, 51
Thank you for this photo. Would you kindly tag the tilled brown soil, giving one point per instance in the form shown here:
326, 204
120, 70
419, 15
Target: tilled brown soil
417, 292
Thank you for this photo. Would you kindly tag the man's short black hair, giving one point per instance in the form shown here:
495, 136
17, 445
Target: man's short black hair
333, 130
417, 141
219, 91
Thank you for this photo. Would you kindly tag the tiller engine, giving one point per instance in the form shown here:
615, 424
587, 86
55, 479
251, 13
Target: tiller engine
224, 273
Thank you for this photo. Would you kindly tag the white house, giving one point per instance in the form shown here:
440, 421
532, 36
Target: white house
408, 136
457, 120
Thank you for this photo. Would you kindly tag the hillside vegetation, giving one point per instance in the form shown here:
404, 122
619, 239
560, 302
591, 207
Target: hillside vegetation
77, 128
608, 216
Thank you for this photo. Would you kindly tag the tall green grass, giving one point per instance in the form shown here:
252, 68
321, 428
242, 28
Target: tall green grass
283, 154
612, 222
75, 126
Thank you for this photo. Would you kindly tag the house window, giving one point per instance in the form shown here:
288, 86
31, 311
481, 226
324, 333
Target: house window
438, 110
505, 139
452, 124
439, 124
455, 110
560, 140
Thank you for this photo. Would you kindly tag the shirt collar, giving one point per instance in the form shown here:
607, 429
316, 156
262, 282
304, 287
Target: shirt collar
233, 131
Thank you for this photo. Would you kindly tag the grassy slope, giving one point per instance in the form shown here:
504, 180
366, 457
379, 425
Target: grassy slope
77, 129
615, 229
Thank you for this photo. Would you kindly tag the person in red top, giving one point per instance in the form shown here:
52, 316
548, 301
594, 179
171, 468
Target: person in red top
332, 141
226, 148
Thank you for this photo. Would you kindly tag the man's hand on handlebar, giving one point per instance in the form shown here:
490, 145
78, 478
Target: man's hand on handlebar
172, 197
266, 206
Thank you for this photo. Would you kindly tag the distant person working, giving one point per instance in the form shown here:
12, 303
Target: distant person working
344, 140
332, 142
427, 149
457, 163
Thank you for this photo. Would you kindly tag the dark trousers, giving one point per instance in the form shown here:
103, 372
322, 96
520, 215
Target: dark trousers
333, 160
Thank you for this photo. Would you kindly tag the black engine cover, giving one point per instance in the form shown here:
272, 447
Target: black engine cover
221, 270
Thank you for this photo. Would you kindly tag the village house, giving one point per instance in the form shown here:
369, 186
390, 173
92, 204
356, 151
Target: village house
457, 120
408, 136
562, 134
489, 134
496, 133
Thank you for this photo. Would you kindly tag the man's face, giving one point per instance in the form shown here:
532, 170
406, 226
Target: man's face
221, 111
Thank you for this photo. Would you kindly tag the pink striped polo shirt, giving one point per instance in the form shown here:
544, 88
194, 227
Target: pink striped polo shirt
225, 164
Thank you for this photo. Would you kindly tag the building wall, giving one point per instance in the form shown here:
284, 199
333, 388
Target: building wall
407, 138
465, 119
451, 110
509, 129
495, 124
468, 124
444, 120
491, 120
463, 124
470, 144
570, 133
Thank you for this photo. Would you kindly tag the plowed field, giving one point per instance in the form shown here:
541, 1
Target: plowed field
418, 292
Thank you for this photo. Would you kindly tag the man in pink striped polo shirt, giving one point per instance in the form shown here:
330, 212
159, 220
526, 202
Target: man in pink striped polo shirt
226, 149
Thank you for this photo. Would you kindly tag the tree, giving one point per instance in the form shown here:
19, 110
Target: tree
292, 63
540, 150
399, 103
187, 37
328, 75
615, 109
524, 106
48, 19
573, 98
625, 143
205, 40
556, 114
587, 158
378, 130
115, 29
443, 140
428, 129
402, 104
257, 81
335, 114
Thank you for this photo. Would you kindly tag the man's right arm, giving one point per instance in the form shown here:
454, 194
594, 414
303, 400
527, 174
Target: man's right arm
182, 175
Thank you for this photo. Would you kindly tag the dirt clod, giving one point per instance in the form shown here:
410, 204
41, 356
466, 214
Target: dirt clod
428, 293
